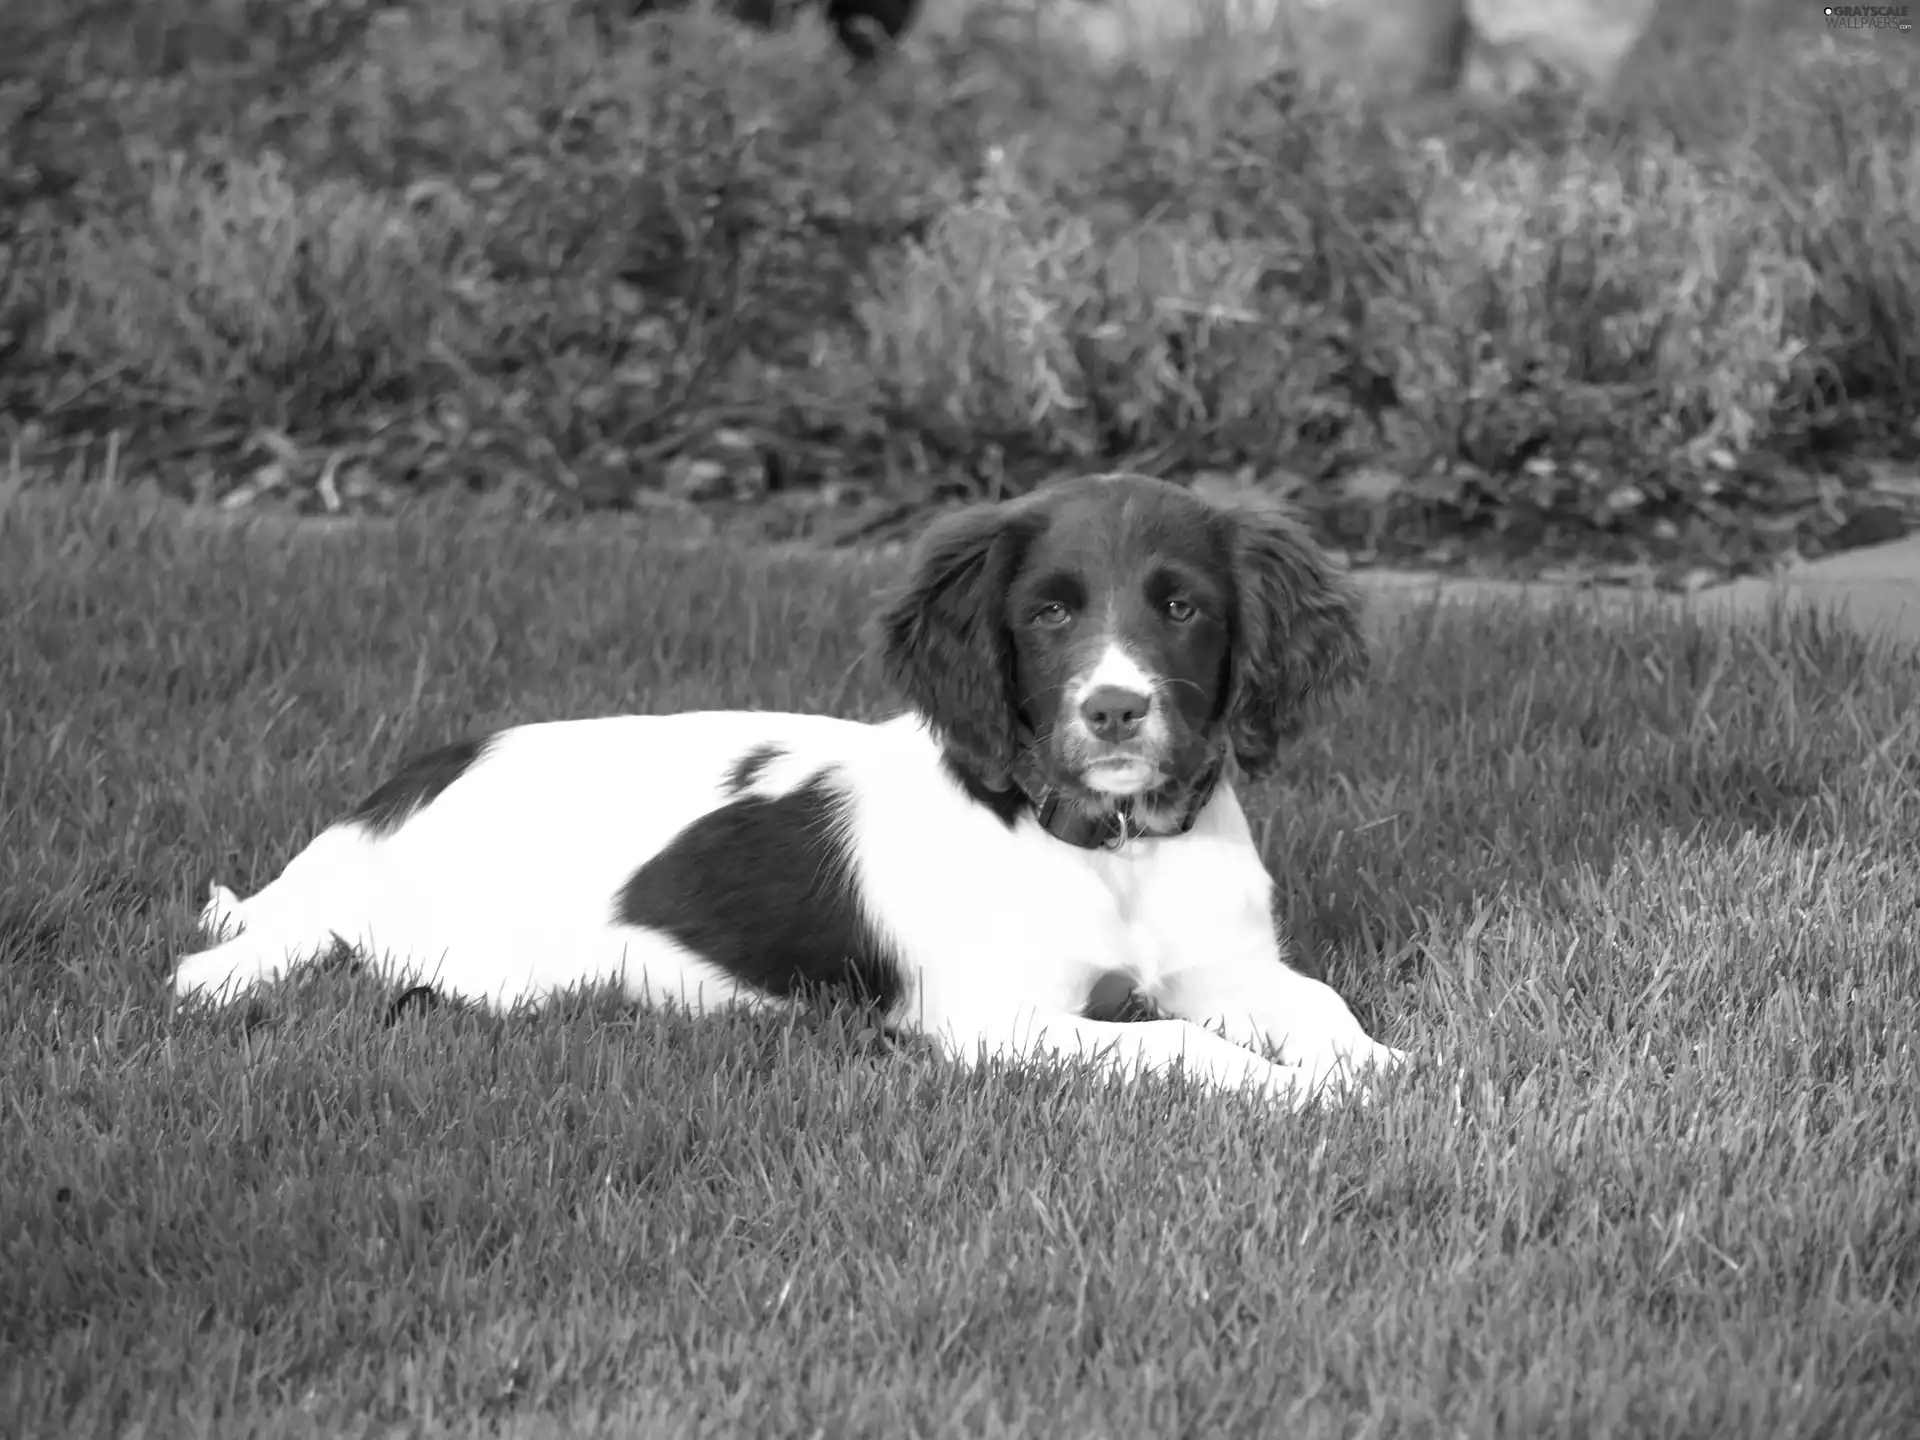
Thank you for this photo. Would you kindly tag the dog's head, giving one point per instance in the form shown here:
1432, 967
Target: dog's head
1108, 637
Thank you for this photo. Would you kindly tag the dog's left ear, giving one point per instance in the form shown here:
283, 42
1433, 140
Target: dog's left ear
1297, 639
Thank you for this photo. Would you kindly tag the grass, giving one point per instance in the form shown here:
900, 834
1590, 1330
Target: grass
363, 248
1639, 894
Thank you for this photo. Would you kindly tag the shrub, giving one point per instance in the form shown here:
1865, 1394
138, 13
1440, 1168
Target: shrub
1651, 295
237, 290
1836, 152
1019, 327
609, 240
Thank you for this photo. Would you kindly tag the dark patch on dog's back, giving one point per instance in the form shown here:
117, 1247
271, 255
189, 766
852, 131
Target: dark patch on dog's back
420, 782
744, 771
764, 889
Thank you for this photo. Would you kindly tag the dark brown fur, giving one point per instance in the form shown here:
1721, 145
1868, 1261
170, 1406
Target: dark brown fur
947, 645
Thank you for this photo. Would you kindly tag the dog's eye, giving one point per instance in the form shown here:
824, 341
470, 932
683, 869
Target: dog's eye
1180, 612
1053, 614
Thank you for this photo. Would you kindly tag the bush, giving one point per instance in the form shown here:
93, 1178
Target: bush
1652, 298
237, 291
576, 246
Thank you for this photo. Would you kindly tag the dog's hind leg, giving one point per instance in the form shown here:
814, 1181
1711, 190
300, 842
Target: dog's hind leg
321, 895
221, 918
233, 967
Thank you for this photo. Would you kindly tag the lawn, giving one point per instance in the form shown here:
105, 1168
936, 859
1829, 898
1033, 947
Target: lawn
1640, 895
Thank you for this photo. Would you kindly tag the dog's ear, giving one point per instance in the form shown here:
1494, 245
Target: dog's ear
943, 637
1297, 638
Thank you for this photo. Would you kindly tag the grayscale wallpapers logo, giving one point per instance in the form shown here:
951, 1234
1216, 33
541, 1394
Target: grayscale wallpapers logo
1869, 17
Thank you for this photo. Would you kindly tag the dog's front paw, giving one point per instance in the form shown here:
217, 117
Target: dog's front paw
1381, 1059
1348, 1072
1286, 1088
1352, 1072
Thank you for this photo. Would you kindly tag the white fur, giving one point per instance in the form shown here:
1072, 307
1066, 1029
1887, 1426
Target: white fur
503, 890
1117, 668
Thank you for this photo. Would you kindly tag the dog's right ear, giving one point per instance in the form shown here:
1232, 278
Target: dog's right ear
944, 642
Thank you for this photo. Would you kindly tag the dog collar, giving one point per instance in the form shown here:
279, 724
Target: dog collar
1065, 818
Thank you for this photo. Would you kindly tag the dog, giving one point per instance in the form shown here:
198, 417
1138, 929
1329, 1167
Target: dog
1054, 817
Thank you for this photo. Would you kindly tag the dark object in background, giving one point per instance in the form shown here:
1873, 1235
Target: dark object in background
419, 998
863, 27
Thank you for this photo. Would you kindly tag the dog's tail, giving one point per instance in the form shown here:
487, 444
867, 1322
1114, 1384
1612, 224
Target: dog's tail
223, 917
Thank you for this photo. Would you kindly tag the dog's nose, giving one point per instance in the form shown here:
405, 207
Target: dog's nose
1114, 712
